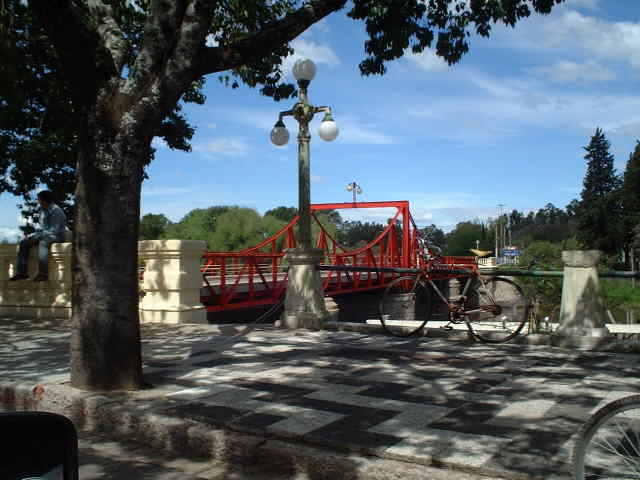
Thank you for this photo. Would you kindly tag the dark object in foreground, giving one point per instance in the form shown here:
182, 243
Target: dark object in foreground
37, 445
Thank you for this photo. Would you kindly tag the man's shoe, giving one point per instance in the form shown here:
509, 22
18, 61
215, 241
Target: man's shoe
18, 276
40, 278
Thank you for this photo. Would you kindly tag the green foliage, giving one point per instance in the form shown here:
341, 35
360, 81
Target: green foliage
153, 226
284, 214
599, 214
463, 237
549, 224
394, 26
543, 292
631, 196
236, 229
355, 234
198, 224
38, 123
620, 294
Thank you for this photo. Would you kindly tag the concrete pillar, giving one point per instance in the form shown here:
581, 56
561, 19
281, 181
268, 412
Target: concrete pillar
27, 299
172, 281
582, 313
304, 305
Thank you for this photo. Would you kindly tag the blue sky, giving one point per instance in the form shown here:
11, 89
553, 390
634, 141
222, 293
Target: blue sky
504, 126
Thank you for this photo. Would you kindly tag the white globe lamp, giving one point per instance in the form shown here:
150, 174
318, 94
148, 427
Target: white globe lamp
304, 70
279, 134
328, 129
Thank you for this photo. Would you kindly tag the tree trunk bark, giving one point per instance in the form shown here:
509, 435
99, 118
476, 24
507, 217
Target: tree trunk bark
105, 341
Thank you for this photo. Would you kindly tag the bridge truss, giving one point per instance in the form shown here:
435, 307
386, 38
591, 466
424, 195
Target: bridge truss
257, 275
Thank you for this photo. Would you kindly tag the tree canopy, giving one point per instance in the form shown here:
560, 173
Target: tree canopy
120, 68
599, 212
630, 197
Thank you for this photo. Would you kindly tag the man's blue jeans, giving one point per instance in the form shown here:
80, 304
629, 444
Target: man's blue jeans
43, 242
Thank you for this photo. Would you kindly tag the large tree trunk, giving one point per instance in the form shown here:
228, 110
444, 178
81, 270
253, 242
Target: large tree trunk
105, 342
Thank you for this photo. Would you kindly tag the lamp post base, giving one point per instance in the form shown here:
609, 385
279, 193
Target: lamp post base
304, 305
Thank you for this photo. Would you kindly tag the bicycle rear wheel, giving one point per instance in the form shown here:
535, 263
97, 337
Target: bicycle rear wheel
608, 445
405, 307
497, 310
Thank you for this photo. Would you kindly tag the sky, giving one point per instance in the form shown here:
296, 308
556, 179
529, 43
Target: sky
507, 125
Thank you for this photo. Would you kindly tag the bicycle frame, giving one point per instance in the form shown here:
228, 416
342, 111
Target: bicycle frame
457, 307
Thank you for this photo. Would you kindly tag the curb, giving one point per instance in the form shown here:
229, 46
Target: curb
600, 344
126, 416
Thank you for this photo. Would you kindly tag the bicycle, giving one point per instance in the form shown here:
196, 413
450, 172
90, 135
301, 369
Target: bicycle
495, 310
608, 444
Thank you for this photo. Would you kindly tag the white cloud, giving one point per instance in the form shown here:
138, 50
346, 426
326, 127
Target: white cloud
352, 133
427, 60
10, 234
564, 71
232, 147
316, 178
356, 131
568, 30
494, 108
631, 129
303, 48
159, 144
586, 4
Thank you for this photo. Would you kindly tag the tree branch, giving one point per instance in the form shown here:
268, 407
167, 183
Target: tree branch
190, 38
160, 31
217, 59
86, 64
110, 31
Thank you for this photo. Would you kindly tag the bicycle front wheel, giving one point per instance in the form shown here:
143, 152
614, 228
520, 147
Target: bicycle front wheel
496, 310
608, 445
405, 307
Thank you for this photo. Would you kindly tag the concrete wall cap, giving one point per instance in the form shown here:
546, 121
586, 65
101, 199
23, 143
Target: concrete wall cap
581, 258
179, 245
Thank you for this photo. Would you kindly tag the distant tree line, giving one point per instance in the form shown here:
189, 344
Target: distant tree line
233, 228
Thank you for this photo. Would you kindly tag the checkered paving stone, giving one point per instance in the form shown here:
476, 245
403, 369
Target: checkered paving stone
506, 407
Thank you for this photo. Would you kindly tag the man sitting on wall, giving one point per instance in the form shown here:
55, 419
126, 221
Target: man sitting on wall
53, 225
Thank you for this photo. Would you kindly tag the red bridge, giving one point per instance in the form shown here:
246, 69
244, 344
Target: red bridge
258, 275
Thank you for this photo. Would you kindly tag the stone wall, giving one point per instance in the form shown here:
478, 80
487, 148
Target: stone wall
171, 283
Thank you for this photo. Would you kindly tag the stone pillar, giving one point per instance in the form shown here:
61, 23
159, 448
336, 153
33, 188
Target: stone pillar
8, 295
582, 313
171, 281
60, 280
304, 305
27, 299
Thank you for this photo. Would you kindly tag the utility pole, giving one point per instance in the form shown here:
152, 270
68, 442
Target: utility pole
500, 235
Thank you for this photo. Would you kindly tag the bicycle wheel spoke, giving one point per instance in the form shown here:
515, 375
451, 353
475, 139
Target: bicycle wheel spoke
496, 310
405, 307
609, 444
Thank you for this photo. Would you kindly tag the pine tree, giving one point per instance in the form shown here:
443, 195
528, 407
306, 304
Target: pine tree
600, 212
631, 197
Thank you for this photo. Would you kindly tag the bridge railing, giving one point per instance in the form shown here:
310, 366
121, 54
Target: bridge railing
258, 275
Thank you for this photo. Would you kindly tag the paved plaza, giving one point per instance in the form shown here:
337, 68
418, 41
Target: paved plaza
338, 404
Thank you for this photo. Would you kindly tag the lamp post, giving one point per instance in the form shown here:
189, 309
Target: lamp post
355, 189
304, 302
304, 70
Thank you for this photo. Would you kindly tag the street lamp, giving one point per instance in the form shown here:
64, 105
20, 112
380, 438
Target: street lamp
355, 189
304, 301
304, 70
